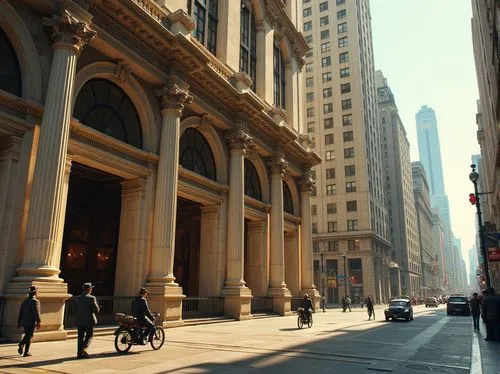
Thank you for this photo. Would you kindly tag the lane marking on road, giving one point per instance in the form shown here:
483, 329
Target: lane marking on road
476, 366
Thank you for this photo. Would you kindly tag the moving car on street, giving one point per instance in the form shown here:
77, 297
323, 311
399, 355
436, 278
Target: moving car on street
458, 305
399, 308
431, 301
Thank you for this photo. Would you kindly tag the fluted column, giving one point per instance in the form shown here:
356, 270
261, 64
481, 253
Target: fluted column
277, 167
173, 98
166, 295
42, 250
236, 295
306, 254
277, 286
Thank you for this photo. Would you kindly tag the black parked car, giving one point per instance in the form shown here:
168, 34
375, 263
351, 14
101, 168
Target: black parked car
399, 308
458, 305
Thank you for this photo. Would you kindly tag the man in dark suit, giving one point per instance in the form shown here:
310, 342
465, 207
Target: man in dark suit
475, 310
29, 318
140, 310
86, 310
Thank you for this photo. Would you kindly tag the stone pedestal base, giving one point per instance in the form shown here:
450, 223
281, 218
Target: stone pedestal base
282, 301
237, 302
52, 296
314, 296
166, 300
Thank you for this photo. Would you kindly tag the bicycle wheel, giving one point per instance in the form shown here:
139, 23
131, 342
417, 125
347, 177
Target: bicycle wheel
158, 338
310, 322
300, 323
123, 341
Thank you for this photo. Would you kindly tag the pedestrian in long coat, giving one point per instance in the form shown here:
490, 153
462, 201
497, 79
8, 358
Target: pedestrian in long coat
86, 319
28, 319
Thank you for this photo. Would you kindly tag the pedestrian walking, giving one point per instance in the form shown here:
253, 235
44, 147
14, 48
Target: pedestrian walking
86, 319
28, 319
369, 308
475, 310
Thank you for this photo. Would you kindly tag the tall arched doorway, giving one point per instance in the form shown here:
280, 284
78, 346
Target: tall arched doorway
90, 242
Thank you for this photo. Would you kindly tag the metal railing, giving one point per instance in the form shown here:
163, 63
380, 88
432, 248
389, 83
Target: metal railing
262, 304
108, 305
202, 307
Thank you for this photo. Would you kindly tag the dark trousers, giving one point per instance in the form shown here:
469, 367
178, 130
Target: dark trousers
475, 321
149, 327
85, 334
28, 334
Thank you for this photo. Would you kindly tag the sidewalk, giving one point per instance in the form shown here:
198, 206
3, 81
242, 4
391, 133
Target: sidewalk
490, 353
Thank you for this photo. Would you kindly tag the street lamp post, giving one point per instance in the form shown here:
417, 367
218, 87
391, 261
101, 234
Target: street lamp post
345, 274
323, 300
474, 176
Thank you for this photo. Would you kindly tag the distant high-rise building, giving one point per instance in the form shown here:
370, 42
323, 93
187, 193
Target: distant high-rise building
399, 189
440, 249
430, 156
473, 264
349, 210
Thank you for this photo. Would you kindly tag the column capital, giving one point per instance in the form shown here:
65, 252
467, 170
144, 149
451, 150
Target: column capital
239, 140
175, 95
307, 182
277, 164
68, 31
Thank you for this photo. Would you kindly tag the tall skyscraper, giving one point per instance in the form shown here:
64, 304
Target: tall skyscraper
399, 188
430, 156
349, 211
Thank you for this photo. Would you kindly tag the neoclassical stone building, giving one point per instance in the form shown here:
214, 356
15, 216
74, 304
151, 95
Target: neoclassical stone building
157, 144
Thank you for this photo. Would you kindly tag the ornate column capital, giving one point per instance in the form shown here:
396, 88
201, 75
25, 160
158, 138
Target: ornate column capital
278, 164
307, 182
175, 95
239, 139
68, 31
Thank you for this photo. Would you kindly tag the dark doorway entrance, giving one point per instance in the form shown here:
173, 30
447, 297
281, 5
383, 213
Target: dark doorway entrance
91, 230
187, 246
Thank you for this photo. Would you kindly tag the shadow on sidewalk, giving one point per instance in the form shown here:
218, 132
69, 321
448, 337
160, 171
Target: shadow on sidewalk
34, 364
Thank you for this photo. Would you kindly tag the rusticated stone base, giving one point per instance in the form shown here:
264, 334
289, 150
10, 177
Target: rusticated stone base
166, 300
237, 302
282, 301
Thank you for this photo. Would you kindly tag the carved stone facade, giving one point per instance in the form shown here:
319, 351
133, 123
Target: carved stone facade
123, 144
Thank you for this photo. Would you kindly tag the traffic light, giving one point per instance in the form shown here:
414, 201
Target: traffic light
472, 199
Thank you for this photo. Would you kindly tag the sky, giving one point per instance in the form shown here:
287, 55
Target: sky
424, 49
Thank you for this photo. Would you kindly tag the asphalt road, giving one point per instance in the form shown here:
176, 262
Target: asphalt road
337, 343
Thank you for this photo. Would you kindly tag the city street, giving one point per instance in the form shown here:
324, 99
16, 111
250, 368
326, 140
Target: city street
338, 342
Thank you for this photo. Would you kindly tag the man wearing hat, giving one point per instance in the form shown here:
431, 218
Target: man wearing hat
86, 310
140, 310
29, 318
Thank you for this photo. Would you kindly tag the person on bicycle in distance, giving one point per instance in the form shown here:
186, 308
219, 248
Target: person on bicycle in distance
307, 305
140, 310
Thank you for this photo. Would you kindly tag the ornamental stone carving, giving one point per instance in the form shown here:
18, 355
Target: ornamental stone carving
204, 125
122, 72
239, 139
277, 164
307, 182
175, 95
69, 31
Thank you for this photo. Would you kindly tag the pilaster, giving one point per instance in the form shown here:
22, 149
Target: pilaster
42, 252
209, 284
236, 295
258, 253
165, 294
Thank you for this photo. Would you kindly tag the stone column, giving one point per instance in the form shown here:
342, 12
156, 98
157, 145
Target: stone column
306, 248
292, 262
277, 286
40, 266
133, 243
209, 251
236, 295
166, 295
257, 276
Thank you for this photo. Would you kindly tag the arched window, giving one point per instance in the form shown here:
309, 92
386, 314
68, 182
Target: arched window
279, 76
10, 72
195, 154
252, 181
248, 43
104, 106
206, 30
287, 199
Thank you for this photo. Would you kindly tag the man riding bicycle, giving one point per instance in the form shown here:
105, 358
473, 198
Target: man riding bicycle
307, 305
140, 310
